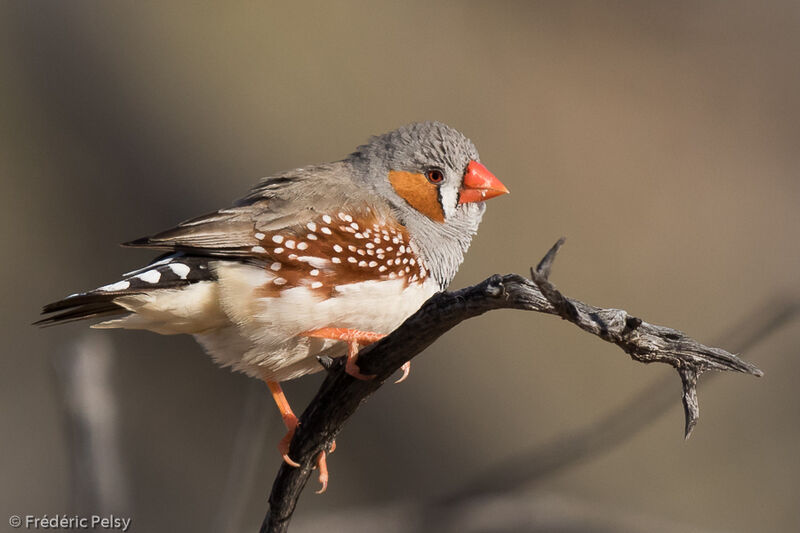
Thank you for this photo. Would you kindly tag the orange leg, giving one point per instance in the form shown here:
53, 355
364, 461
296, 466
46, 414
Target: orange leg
291, 422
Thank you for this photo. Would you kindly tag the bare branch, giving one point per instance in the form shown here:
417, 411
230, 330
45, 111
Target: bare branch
340, 394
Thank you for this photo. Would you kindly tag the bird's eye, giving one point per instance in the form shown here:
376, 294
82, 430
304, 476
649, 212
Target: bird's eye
435, 176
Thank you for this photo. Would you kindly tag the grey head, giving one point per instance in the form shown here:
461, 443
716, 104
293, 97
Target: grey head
431, 177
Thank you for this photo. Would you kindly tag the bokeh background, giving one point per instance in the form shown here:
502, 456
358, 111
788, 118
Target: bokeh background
661, 138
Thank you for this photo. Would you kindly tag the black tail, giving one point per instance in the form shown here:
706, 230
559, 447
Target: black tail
168, 271
79, 307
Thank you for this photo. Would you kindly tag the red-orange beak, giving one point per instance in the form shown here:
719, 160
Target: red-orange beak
479, 184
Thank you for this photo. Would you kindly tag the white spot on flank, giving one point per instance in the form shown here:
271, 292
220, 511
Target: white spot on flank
376, 240
360, 251
379, 250
327, 219
373, 264
351, 247
392, 275
390, 262
179, 269
381, 268
314, 272
402, 249
326, 231
302, 245
259, 249
380, 256
289, 244
405, 260
354, 225
412, 261
362, 263
348, 218
292, 256
279, 281
359, 236
336, 260
151, 276
407, 269
337, 248
343, 216
351, 260
275, 266
316, 285
347, 229
118, 286
311, 226
277, 239
311, 237
260, 236
314, 262
278, 250
389, 248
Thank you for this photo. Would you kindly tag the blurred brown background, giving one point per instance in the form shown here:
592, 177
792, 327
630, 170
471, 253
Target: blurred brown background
660, 138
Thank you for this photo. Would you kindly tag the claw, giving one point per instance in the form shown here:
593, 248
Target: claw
283, 448
351, 367
406, 368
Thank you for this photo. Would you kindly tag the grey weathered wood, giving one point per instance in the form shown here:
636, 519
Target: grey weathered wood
340, 394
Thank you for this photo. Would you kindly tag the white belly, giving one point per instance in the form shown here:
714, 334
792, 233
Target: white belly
263, 339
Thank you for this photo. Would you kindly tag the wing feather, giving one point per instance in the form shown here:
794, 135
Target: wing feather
277, 202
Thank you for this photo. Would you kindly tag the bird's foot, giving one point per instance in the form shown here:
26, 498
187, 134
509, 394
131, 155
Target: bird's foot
283, 445
354, 338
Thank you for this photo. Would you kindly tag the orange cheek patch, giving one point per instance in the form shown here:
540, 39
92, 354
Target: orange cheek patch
420, 194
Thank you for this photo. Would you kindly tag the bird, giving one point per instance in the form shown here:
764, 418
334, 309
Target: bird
316, 261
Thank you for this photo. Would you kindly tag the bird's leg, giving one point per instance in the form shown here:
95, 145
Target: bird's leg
291, 422
354, 338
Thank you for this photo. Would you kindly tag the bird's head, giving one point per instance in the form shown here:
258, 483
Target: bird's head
431, 175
